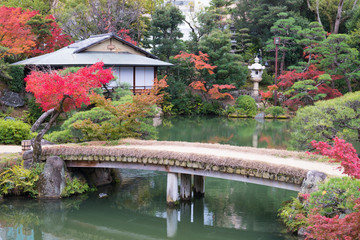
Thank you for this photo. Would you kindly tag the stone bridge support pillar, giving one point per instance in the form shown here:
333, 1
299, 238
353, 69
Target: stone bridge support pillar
185, 187
199, 186
172, 193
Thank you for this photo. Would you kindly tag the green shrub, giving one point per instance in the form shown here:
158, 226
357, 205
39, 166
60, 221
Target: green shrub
335, 197
275, 111
326, 119
121, 92
230, 109
16, 83
68, 70
63, 136
70, 134
147, 130
34, 111
13, 132
74, 186
267, 79
123, 99
246, 105
290, 214
19, 181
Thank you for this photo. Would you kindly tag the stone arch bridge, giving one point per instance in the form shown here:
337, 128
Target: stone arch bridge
276, 168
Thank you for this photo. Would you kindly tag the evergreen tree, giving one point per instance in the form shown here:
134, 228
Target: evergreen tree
229, 68
165, 33
310, 39
338, 58
287, 29
259, 15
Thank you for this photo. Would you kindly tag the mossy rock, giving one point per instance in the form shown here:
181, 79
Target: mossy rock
235, 115
278, 117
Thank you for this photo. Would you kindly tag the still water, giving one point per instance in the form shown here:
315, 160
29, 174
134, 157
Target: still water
238, 132
136, 207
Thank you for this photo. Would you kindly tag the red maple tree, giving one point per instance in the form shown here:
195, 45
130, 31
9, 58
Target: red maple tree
199, 62
348, 227
321, 88
124, 34
57, 93
19, 37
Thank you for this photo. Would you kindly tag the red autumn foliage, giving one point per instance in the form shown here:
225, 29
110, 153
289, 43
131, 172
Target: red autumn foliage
56, 40
214, 91
348, 227
50, 89
341, 152
17, 35
14, 34
287, 80
216, 94
124, 34
200, 63
198, 85
268, 94
198, 60
324, 228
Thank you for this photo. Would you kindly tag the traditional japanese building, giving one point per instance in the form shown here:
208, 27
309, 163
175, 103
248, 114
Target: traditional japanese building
130, 64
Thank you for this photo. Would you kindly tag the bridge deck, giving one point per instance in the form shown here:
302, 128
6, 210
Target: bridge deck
204, 159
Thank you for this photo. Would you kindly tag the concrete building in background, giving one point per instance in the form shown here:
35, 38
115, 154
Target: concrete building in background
189, 8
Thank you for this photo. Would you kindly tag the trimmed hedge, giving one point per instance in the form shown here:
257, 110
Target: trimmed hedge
246, 105
327, 119
13, 132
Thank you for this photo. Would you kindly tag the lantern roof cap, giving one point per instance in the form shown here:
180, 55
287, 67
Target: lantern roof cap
256, 65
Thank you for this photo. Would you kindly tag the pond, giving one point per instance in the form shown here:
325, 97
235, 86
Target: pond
232, 131
136, 207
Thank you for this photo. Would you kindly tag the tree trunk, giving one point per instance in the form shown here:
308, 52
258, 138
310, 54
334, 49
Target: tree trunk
354, 5
338, 17
36, 144
348, 83
318, 12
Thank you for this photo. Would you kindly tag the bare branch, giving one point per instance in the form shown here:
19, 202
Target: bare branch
41, 119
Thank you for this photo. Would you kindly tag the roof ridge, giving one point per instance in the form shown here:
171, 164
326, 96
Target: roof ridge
102, 35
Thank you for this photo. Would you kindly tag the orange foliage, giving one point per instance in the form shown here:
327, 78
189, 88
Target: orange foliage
198, 85
198, 60
16, 35
215, 94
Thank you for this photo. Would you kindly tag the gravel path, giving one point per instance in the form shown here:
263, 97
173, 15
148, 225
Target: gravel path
10, 149
328, 168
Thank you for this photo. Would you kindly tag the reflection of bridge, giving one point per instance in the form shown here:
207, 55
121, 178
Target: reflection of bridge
276, 168
109, 223
99, 219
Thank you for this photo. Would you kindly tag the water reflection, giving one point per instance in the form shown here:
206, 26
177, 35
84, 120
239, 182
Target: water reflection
136, 209
238, 132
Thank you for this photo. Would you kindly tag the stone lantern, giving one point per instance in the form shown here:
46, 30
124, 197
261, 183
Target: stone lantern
256, 75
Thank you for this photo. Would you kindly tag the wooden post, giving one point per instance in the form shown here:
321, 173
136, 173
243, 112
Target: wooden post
185, 187
199, 186
134, 80
172, 189
155, 72
171, 222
